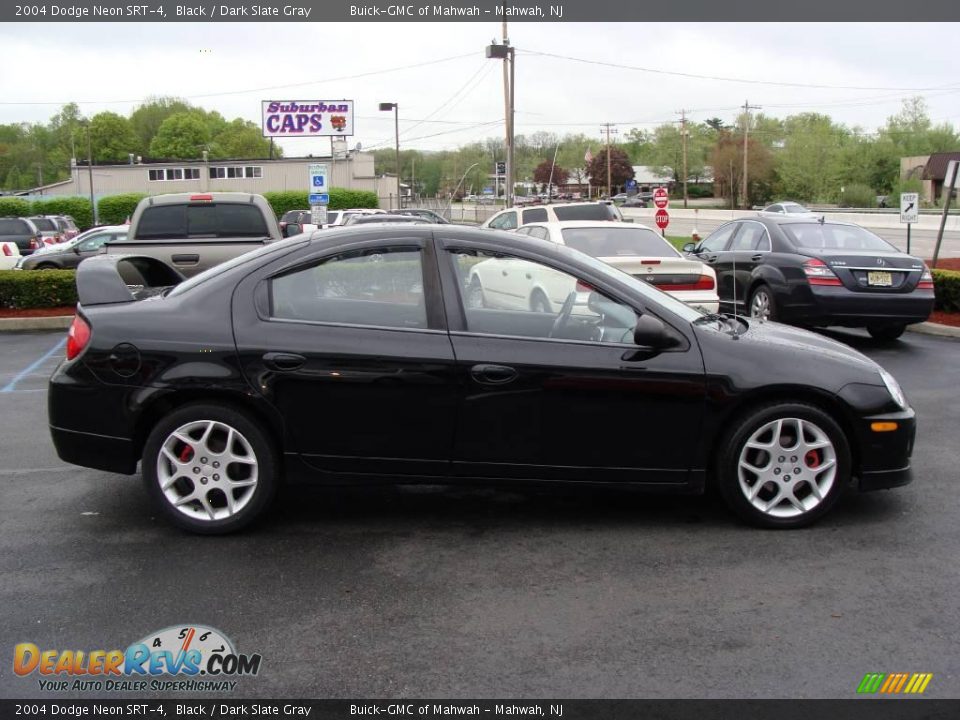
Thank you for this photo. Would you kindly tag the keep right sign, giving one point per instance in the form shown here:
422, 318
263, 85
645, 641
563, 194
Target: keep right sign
909, 207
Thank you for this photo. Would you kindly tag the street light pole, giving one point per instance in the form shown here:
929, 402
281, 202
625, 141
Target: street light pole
506, 53
93, 202
396, 129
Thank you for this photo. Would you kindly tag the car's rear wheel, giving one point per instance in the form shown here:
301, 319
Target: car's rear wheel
46, 266
886, 332
210, 468
784, 465
762, 304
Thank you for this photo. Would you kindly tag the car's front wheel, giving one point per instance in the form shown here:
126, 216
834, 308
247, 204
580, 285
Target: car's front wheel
210, 468
886, 332
762, 304
784, 465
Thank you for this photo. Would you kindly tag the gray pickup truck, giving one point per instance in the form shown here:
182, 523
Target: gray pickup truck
195, 231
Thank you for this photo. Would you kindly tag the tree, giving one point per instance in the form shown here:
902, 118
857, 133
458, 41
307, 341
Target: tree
620, 168
112, 138
716, 124
241, 139
727, 162
183, 136
542, 174
147, 119
809, 165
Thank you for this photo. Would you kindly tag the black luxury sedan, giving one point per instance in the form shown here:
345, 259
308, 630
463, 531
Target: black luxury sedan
816, 273
354, 355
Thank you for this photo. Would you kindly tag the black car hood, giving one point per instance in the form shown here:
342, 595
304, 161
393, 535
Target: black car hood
769, 352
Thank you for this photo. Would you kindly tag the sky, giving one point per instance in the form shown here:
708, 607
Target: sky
449, 94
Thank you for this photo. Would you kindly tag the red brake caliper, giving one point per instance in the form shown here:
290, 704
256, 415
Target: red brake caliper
187, 453
812, 459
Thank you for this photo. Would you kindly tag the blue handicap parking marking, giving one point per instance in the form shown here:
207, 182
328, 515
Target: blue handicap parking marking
12, 385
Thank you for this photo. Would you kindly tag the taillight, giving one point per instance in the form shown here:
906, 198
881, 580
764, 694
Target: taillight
704, 282
77, 337
6, 250
926, 280
583, 287
36, 242
818, 273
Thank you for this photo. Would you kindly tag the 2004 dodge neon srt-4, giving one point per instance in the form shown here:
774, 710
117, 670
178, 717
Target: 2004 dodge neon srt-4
354, 356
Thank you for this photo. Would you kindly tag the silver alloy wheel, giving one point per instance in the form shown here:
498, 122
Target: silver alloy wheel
787, 467
475, 295
760, 305
207, 470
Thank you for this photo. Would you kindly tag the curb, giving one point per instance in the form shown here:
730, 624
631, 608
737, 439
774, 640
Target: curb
56, 322
929, 328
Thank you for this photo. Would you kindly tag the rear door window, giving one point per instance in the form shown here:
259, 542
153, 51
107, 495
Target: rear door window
534, 215
209, 220
585, 212
12, 226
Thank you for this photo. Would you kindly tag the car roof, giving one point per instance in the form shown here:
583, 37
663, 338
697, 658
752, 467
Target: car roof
185, 197
556, 205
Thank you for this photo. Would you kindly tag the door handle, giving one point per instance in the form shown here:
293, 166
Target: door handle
710, 258
493, 374
284, 362
186, 259
757, 257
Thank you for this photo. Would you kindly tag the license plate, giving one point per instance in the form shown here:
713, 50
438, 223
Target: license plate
879, 278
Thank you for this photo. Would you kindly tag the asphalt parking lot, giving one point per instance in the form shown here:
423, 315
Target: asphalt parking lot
462, 592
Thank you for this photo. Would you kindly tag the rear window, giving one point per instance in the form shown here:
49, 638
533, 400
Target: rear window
292, 216
535, 215
817, 236
601, 242
585, 212
209, 220
12, 226
45, 225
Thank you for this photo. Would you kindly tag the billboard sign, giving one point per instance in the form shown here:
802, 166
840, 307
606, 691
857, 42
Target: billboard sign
307, 118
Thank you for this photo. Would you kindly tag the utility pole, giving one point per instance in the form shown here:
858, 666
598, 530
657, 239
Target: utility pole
93, 201
608, 128
683, 139
747, 107
508, 55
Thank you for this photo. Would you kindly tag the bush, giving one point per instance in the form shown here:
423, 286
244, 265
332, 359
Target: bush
858, 195
115, 209
340, 199
946, 288
76, 207
37, 288
14, 207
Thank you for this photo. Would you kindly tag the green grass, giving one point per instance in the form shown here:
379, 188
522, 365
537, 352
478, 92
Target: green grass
678, 241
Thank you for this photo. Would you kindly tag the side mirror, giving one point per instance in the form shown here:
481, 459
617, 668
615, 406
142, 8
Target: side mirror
292, 229
76, 249
690, 247
650, 332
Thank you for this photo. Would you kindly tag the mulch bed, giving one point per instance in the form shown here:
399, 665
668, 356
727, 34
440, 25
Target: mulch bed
35, 312
946, 263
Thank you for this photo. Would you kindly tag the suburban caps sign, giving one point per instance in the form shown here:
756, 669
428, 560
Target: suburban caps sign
307, 118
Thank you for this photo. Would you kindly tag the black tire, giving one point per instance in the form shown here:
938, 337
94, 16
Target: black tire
886, 332
728, 467
539, 302
46, 266
255, 501
763, 291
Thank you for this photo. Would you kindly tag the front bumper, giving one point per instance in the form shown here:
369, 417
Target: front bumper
884, 457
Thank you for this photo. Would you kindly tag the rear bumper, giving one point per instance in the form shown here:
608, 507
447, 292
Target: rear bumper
826, 305
101, 452
884, 457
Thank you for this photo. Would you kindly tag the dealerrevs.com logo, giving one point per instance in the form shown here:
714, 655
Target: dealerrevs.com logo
198, 657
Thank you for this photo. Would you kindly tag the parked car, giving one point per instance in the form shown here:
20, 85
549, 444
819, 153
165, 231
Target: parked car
423, 214
68, 227
635, 249
9, 254
817, 273
635, 202
195, 231
512, 218
620, 197
21, 231
302, 218
214, 384
68, 255
49, 228
381, 218
345, 215
787, 208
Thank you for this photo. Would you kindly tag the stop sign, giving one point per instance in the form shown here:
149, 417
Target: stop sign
663, 219
660, 197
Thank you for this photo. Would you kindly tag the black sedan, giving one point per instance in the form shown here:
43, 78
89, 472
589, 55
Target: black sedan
364, 354
816, 273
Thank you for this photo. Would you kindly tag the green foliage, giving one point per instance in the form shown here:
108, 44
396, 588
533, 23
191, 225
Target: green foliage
946, 288
241, 139
858, 196
112, 138
37, 288
183, 136
340, 199
14, 207
910, 185
77, 207
115, 209
147, 118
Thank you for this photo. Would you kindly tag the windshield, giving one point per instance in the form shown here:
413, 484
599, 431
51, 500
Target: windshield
793, 208
586, 211
276, 247
618, 241
645, 289
45, 224
826, 236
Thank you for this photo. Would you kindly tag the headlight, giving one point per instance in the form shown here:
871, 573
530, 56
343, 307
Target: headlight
894, 388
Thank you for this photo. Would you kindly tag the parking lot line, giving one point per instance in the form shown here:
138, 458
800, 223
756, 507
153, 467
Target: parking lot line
11, 386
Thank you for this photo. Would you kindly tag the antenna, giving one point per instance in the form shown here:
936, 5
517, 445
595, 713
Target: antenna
736, 333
